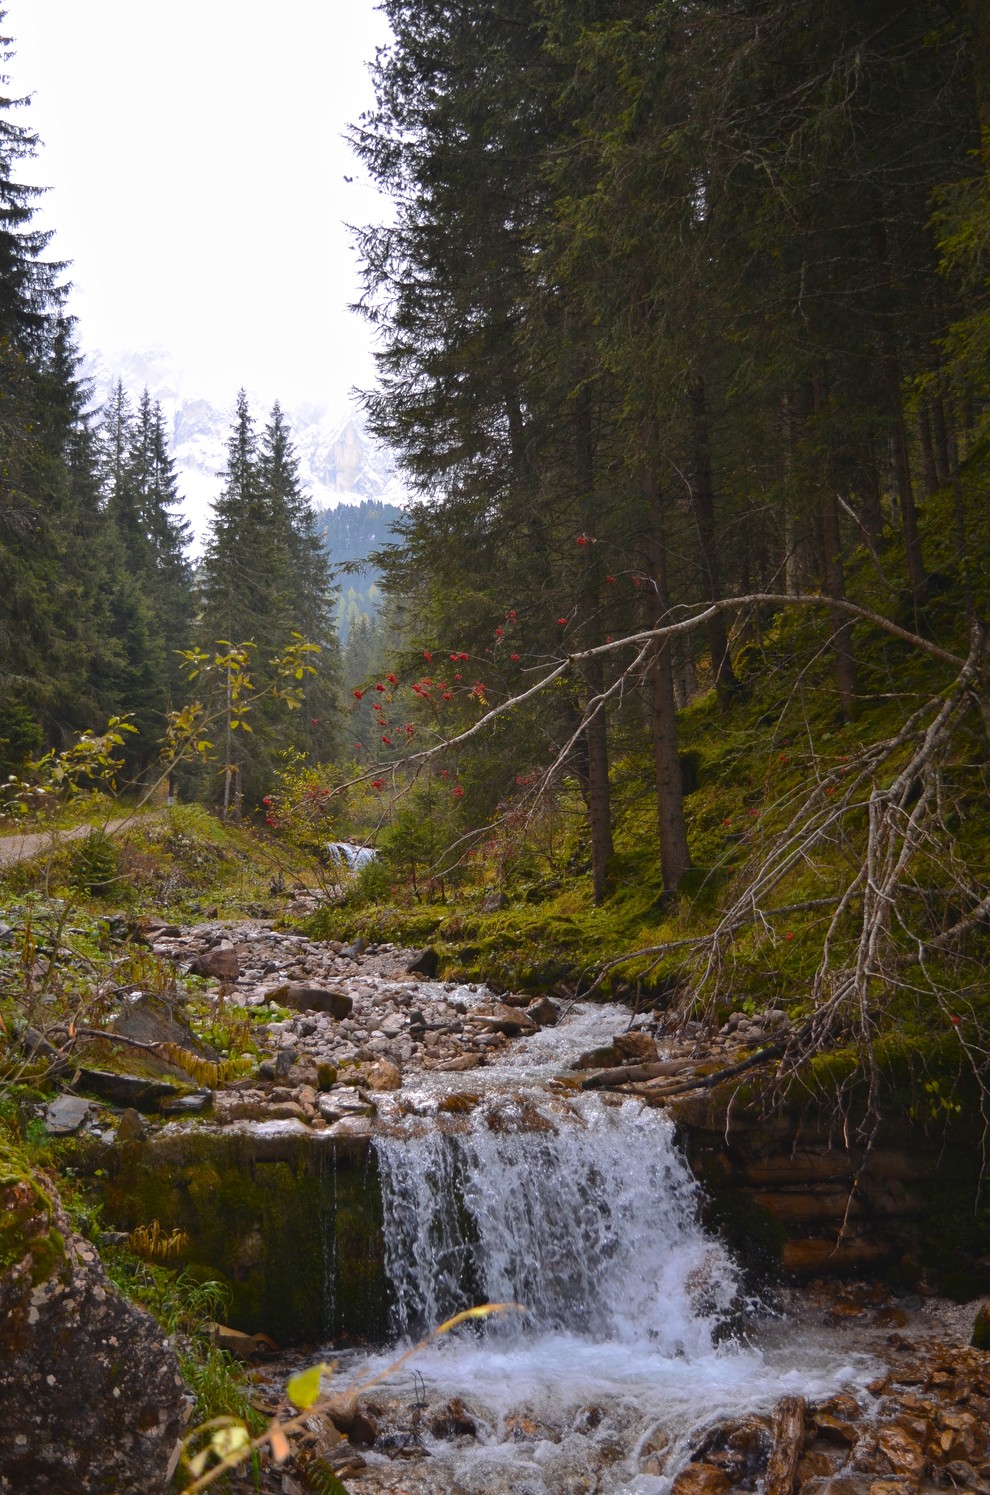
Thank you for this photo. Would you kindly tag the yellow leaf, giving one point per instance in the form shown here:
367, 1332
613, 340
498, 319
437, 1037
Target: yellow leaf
227, 1441
280, 1445
303, 1389
199, 1462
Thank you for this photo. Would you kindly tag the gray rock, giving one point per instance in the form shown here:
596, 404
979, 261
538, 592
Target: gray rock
66, 1115
188, 1105
424, 963
303, 998
90, 1388
221, 962
544, 1011
127, 1090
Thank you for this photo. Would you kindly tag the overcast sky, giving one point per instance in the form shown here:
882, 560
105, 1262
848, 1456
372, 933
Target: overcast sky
198, 180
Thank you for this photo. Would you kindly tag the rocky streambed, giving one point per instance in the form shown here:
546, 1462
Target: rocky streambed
409, 1146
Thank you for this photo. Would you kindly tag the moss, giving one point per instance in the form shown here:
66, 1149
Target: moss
290, 1224
26, 1218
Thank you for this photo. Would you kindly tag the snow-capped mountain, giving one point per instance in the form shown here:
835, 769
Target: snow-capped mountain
338, 461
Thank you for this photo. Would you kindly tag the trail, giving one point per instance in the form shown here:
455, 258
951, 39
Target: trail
22, 847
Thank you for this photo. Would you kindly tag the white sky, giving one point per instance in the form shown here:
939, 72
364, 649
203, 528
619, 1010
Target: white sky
193, 151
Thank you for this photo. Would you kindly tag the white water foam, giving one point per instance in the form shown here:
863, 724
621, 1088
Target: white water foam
587, 1214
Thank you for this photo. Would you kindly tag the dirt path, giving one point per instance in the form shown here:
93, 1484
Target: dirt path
22, 847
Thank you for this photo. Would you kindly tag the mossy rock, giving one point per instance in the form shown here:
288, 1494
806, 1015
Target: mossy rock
26, 1226
290, 1223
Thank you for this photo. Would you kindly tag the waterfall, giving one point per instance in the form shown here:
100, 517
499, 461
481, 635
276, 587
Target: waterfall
586, 1215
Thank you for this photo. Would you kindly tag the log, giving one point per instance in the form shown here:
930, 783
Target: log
653, 1070
788, 1443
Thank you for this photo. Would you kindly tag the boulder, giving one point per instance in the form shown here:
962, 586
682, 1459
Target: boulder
66, 1115
221, 962
981, 1327
424, 963
383, 1075
507, 1020
544, 1012
303, 998
90, 1387
130, 1127
128, 1090
634, 1048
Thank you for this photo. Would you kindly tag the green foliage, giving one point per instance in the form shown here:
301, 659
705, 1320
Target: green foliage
94, 865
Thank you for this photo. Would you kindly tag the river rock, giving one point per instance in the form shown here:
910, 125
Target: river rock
701, 1479
634, 1048
507, 1020
66, 1115
907, 1457
221, 962
90, 1388
424, 963
383, 1075
544, 1012
303, 998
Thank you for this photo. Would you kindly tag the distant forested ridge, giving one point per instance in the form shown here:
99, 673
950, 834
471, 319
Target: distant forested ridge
351, 534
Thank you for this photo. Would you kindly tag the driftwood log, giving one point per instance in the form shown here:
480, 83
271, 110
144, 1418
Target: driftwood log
788, 1443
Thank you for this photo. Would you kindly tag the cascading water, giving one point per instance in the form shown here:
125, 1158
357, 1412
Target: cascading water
501, 1187
587, 1218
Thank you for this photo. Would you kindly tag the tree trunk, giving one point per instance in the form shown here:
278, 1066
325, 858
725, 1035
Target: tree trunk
599, 802
835, 581
675, 858
596, 731
703, 500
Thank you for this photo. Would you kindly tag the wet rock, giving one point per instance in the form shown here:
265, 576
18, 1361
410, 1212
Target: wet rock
906, 1455
462, 1062
507, 1020
221, 962
383, 1075
544, 1012
91, 1392
424, 963
701, 1479
187, 1105
303, 998
965, 1477
834, 1430
66, 1115
455, 1420
634, 1048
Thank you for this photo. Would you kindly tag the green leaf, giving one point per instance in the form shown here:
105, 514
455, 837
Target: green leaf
303, 1389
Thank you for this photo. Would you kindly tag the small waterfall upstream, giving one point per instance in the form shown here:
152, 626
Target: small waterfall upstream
636, 1333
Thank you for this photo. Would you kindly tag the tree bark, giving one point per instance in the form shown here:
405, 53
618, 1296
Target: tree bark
675, 859
835, 580
788, 1443
703, 500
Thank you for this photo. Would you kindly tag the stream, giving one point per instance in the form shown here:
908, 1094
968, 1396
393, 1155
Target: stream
636, 1333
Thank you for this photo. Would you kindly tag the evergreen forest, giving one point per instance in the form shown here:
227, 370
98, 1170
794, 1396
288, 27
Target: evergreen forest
676, 666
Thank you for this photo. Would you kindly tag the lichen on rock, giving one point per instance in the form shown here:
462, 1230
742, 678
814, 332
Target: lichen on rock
91, 1391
